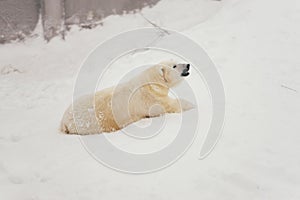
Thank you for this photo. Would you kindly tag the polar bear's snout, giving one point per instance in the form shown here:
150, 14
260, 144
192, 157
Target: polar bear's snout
183, 69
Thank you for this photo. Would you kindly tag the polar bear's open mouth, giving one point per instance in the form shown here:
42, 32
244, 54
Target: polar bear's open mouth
185, 71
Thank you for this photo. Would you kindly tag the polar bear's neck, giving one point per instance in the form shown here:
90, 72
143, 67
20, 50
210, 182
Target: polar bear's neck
148, 84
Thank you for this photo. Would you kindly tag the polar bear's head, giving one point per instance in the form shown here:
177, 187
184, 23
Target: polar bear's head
172, 73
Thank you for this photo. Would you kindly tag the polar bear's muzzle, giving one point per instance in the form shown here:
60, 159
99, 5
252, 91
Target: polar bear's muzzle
185, 71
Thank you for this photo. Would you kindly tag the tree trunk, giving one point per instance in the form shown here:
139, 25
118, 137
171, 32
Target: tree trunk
53, 18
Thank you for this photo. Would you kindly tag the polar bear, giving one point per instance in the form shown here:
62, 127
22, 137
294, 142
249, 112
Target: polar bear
111, 109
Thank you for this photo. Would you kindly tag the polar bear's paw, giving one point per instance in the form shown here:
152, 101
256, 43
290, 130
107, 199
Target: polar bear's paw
186, 105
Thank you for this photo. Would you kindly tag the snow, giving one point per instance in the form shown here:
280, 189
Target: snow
255, 45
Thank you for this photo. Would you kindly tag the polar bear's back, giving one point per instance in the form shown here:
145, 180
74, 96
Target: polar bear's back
88, 114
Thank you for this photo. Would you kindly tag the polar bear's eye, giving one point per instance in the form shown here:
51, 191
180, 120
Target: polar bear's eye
174, 66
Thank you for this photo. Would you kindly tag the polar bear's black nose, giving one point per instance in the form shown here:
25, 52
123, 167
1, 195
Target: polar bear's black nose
188, 66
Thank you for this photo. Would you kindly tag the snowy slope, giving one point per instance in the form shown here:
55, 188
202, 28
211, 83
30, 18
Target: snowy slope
255, 45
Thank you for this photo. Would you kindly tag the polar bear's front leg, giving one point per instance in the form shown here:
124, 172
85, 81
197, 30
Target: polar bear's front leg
179, 105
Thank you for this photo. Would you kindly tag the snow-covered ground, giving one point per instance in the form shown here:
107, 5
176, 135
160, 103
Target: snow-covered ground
255, 45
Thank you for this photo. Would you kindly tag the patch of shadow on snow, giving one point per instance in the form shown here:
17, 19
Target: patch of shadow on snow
9, 70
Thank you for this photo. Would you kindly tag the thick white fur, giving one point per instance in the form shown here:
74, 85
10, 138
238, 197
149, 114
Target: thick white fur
114, 108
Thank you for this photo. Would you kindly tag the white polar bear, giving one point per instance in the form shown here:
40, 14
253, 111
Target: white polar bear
111, 109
